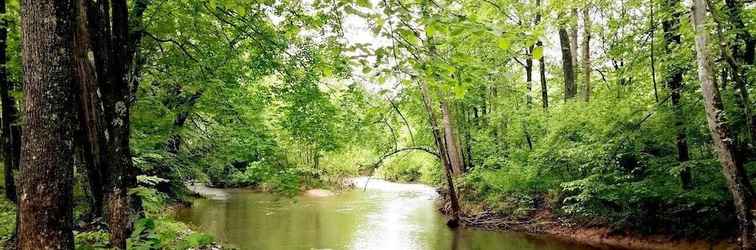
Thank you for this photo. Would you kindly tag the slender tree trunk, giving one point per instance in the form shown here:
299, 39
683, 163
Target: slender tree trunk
529, 76
542, 64
90, 113
443, 153
732, 166
653, 51
450, 139
46, 204
544, 86
587, 52
674, 77
573, 38
437, 136
173, 145
529, 98
10, 155
570, 90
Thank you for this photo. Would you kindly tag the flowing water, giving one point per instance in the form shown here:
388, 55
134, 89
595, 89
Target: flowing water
385, 216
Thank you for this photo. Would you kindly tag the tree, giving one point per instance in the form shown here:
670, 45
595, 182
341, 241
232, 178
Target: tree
732, 164
587, 52
674, 78
570, 89
91, 130
443, 154
113, 46
451, 139
46, 204
542, 62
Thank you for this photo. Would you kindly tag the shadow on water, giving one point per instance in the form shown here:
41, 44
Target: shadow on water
385, 216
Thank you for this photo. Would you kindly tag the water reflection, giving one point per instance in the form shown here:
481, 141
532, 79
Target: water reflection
385, 216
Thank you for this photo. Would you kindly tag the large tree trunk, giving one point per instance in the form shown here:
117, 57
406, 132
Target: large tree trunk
10, 138
673, 78
732, 165
570, 90
587, 52
46, 204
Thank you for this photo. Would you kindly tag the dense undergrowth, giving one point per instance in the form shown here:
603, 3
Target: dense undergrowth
615, 171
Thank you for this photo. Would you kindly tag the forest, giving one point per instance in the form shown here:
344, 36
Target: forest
225, 124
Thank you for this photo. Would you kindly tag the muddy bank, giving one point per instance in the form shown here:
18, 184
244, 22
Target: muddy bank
545, 223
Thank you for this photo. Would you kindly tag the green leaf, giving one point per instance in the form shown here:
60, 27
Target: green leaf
364, 3
327, 72
504, 42
538, 53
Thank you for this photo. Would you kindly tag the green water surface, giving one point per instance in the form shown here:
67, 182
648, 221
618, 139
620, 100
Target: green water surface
386, 216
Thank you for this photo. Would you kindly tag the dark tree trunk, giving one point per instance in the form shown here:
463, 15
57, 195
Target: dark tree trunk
173, 145
529, 76
587, 53
542, 64
732, 165
91, 124
11, 138
570, 90
120, 175
46, 204
674, 77
114, 52
544, 86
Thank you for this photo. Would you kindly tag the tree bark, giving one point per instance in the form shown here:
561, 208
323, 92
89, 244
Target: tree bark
46, 204
114, 52
587, 52
732, 166
674, 77
529, 76
121, 174
9, 130
573, 38
570, 90
542, 64
450, 139
544, 85
91, 123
